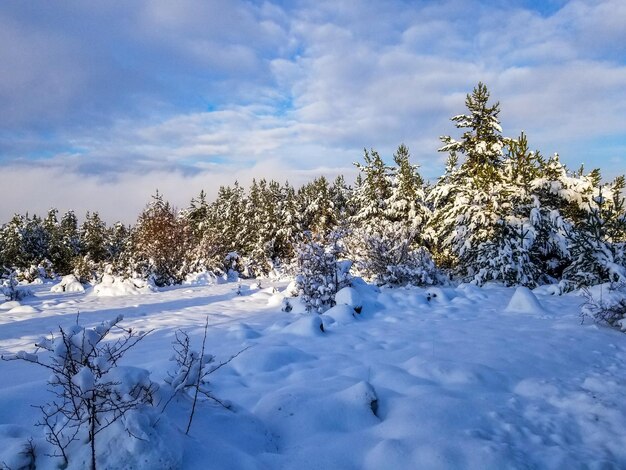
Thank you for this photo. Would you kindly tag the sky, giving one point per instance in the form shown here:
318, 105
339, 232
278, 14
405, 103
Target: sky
102, 103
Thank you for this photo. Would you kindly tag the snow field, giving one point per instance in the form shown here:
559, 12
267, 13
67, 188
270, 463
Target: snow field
461, 377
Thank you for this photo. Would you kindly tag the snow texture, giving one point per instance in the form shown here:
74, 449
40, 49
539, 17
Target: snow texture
524, 301
68, 283
451, 382
113, 286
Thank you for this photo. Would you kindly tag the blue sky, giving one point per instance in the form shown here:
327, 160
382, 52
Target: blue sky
103, 102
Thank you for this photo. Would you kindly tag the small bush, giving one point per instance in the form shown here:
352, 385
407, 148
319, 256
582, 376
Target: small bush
91, 390
606, 305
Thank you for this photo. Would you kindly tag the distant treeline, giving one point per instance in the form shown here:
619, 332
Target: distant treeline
501, 212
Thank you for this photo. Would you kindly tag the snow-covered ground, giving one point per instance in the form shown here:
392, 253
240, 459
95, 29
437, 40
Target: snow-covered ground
461, 377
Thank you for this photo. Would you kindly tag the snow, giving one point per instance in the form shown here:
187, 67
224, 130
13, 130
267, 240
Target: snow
68, 283
113, 286
341, 314
204, 278
524, 301
9, 305
442, 377
23, 309
349, 296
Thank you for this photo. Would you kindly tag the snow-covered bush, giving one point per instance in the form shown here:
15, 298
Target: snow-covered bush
606, 304
10, 287
384, 255
92, 391
113, 286
192, 367
319, 273
68, 283
85, 269
191, 371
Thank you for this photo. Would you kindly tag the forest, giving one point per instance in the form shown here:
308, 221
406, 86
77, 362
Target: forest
501, 212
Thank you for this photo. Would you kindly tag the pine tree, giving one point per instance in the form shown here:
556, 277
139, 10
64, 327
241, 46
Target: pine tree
93, 238
319, 274
482, 143
406, 202
598, 243
471, 201
12, 251
372, 192
318, 209
158, 243
290, 225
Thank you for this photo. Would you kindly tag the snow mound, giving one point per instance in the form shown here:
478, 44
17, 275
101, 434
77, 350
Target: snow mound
342, 314
349, 296
268, 359
308, 325
14, 439
292, 289
329, 411
204, 278
68, 283
276, 300
11, 304
157, 445
293, 305
471, 291
23, 309
112, 286
524, 301
243, 331
438, 295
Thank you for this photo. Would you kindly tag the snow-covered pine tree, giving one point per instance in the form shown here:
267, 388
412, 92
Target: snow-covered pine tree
471, 200
318, 209
537, 229
93, 237
289, 223
340, 194
406, 203
35, 241
261, 222
598, 242
118, 241
228, 216
12, 253
319, 274
203, 251
373, 189
384, 254
386, 231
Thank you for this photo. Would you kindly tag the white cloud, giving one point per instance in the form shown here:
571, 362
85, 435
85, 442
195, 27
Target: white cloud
191, 92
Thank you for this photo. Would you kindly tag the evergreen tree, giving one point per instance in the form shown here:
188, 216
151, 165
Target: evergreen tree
318, 209
290, 225
598, 243
319, 274
118, 239
12, 251
371, 194
406, 203
158, 243
93, 238
471, 201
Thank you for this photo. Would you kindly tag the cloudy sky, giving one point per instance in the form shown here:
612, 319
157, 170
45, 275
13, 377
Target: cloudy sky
103, 102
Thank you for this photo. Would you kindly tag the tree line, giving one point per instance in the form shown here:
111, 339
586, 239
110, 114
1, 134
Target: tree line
500, 212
